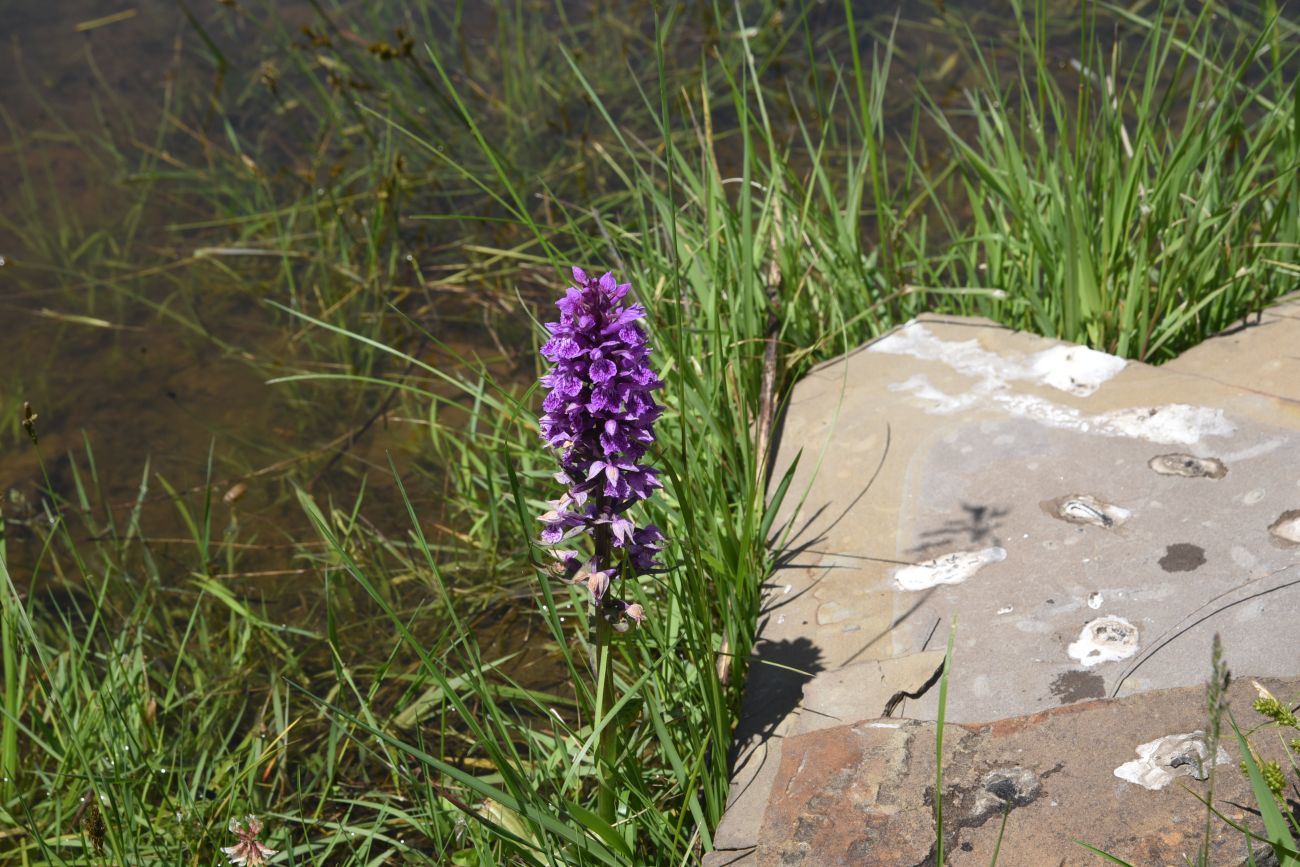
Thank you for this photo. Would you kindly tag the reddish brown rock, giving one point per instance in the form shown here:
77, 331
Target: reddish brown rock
863, 794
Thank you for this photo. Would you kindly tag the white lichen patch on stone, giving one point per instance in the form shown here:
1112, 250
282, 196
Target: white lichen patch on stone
1106, 639
964, 356
1172, 424
940, 403
1161, 761
1076, 369
950, 569
1073, 369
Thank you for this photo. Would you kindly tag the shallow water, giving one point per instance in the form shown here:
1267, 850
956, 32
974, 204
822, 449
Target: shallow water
128, 347
124, 345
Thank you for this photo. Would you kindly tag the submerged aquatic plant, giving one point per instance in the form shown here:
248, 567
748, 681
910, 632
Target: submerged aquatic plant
598, 417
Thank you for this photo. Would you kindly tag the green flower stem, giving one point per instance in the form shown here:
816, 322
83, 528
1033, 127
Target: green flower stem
607, 743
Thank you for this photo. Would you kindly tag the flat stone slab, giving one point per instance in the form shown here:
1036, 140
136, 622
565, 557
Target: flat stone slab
865, 793
1088, 524
1261, 356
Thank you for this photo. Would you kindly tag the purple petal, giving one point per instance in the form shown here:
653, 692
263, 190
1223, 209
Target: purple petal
602, 371
622, 529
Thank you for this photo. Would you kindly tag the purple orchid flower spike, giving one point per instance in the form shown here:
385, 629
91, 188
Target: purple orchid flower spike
598, 416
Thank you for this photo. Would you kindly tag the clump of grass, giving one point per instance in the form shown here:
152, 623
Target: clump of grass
149, 698
712, 267
1141, 201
